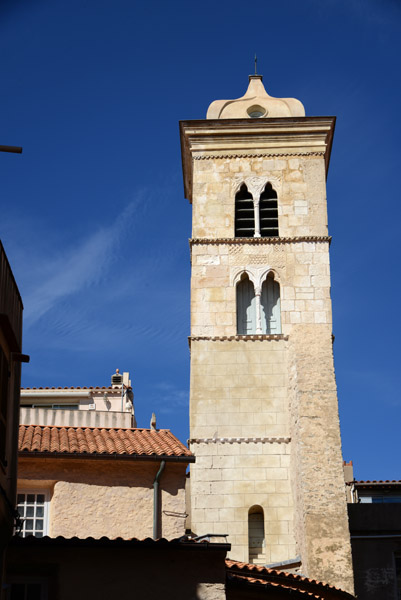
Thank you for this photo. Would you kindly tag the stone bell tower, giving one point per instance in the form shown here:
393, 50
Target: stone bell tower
264, 420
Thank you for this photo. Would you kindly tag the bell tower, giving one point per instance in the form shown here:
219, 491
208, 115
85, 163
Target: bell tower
264, 423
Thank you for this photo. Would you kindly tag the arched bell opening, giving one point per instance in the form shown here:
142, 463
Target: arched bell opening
270, 306
244, 213
246, 306
268, 212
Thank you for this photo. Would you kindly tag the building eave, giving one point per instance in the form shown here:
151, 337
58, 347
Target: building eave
124, 457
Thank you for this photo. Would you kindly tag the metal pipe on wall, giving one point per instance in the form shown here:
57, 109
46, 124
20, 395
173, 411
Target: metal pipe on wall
156, 499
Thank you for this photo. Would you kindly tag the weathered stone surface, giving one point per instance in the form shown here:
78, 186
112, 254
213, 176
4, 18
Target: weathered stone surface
265, 410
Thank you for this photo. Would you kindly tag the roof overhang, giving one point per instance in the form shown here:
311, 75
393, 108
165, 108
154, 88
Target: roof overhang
66, 394
376, 485
104, 456
177, 543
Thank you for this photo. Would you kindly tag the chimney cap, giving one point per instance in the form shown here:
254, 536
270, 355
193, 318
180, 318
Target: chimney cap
116, 378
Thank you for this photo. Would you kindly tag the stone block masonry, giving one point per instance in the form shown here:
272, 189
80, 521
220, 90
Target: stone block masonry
263, 408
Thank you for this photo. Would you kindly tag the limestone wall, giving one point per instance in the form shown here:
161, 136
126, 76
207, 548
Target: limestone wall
231, 478
239, 389
322, 529
106, 498
301, 267
240, 431
264, 416
298, 181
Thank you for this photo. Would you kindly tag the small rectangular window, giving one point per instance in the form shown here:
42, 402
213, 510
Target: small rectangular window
32, 507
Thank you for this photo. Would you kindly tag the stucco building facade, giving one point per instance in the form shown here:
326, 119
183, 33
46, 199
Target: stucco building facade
80, 482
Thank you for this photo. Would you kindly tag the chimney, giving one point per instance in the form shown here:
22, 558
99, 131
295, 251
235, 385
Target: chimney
348, 471
116, 379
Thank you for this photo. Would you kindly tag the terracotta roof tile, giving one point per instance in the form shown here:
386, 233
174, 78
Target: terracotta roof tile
276, 586
264, 575
100, 441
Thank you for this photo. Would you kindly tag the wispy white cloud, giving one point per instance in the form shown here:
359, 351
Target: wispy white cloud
76, 268
129, 301
115, 294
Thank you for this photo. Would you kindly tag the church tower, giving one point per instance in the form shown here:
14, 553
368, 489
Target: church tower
264, 423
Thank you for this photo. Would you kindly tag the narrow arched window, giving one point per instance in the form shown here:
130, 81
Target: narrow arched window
270, 306
246, 311
268, 211
244, 213
256, 536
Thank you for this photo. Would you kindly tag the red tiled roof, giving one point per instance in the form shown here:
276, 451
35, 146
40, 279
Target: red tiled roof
256, 574
275, 587
95, 441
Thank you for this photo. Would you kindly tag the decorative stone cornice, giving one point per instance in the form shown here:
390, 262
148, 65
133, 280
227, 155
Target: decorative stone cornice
230, 138
254, 155
261, 240
254, 337
240, 440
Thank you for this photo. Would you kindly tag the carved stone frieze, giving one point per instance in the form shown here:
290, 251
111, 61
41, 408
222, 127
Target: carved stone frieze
259, 155
266, 259
274, 241
238, 440
255, 183
254, 337
257, 273
235, 250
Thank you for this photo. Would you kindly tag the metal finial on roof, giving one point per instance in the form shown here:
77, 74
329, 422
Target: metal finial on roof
256, 75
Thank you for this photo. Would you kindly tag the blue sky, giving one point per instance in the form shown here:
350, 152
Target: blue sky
93, 215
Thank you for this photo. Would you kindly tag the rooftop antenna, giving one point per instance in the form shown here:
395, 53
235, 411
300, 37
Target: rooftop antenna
256, 64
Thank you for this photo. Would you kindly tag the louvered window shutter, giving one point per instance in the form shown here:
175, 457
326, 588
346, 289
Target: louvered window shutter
268, 211
246, 313
244, 213
270, 306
